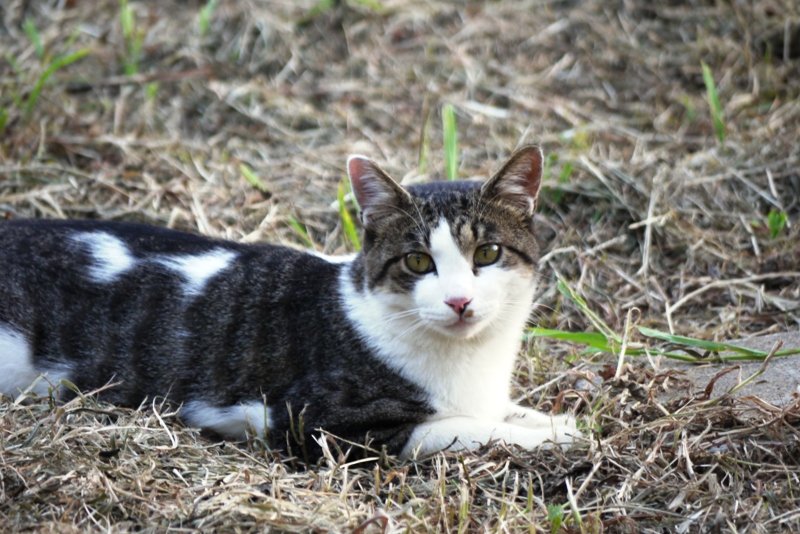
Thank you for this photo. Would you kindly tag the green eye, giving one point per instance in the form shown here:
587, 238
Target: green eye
419, 262
487, 254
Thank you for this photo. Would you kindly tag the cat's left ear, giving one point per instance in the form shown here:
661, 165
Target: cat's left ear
377, 194
518, 180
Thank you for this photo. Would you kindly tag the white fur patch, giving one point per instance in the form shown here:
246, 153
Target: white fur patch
198, 270
456, 433
347, 258
230, 421
17, 373
110, 254
454, 280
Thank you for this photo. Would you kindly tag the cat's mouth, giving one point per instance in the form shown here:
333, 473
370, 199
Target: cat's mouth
464, 326
456, 326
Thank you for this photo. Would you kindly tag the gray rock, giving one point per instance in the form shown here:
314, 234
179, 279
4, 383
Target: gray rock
779, 384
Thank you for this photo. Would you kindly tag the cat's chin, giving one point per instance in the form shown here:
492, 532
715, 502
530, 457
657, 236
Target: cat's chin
461, 330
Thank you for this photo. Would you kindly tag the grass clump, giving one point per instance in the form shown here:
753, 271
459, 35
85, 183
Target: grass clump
57, 64
50, 64
691, 350
776, 222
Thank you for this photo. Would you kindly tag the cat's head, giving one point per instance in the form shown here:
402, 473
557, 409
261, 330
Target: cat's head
455, 257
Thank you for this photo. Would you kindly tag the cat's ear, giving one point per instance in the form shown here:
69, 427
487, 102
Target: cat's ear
518, 180
377, 194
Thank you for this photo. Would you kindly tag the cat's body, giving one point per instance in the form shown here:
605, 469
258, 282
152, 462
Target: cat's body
410, 343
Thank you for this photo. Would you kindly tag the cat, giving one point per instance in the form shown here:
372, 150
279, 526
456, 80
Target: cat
408, 345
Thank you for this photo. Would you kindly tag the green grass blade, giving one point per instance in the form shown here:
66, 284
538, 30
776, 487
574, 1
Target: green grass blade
593, 339
761, 356
71, 40
13, 63
151, 91
33, 35
713, 102
302, 231
126, 18
595, 319
348, 226
316, 10
133, 38
63, 62
3, 119
691, 112
205, 16
566, 172
563, 178
450, 141
555, 515
699, 343
251, 177
373, 5
776, 221
599, 343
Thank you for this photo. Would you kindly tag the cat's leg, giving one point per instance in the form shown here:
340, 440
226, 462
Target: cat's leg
462, 432
530, 418
19, 373
229, 421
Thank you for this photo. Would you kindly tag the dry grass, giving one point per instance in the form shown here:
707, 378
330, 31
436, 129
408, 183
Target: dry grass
656, 214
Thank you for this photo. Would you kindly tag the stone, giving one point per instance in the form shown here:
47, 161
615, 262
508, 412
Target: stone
778, 385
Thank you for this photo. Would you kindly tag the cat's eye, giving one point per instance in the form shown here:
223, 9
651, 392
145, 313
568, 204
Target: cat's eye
487, 254
419, 262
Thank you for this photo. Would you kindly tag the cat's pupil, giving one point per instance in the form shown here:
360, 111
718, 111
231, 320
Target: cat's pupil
487, 254
419, 262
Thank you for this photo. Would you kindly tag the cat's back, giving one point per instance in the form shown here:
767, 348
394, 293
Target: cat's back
95, 258
149, 305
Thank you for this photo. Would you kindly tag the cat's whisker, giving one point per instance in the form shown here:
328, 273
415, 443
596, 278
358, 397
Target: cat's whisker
507, 310
387, 321
414, 326
400, 315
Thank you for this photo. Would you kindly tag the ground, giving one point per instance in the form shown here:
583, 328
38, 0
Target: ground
654, 200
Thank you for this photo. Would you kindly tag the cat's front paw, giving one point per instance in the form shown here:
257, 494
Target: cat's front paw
565, 432
530, 418
561, 429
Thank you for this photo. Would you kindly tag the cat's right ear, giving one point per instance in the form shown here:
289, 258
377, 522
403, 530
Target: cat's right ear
377, 194
518, 180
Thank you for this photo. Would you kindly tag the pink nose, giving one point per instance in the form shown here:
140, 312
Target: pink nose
458, 304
